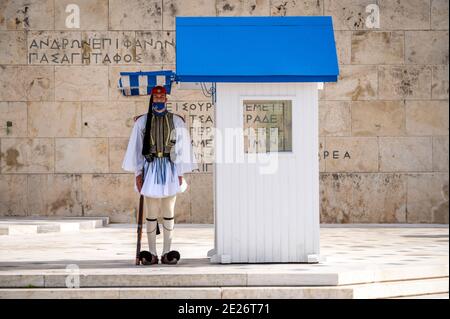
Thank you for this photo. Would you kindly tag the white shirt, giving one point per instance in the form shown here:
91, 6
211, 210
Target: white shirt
135, 162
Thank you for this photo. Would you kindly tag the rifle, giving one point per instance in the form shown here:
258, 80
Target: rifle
139, 226
139, 230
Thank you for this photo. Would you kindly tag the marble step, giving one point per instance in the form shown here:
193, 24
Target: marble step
40, 225
426, 296
364, 291
191, 277
402, 288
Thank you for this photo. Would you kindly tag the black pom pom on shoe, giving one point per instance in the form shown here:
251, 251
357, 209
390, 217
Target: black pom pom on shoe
147, 258
171, 257
173, 254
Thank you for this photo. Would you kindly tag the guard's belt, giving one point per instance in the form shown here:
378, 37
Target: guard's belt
160, 154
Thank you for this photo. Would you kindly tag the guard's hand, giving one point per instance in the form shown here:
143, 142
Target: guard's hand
180, 180
139, 182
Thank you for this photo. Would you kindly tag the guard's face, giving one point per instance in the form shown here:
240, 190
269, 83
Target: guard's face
159, 98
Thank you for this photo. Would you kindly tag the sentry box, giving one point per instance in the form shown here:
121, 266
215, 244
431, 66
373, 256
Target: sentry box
264, 74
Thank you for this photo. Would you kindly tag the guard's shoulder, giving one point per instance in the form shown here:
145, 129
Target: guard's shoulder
139, 116
140, 120
179, 117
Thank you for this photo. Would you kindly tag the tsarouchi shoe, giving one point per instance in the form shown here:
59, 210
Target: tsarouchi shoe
171, 257
147, 258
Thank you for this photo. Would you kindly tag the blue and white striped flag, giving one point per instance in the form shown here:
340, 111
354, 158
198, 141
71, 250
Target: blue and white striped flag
141, 83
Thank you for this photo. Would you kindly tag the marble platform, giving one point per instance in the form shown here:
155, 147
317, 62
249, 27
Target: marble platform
40, 225
361, 261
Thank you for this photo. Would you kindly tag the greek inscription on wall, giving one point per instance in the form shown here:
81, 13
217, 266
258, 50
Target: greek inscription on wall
199, 117
66, 48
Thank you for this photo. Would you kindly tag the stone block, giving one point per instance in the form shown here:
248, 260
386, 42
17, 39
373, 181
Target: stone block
117, 149
14, 47
404, 82
440, 153
439, 86
343, 41
13, 197
54, 119
426, 47
439, 14
110, 195
296, 8
202, 209
292, 292
347, 14
93, 14
108, 119
11, 89
427, 117
378, 118
54, 195
355, 82
27, 155
81, 83
334, 118
351, 154
26, 15
172, 293
81, 155
180, 8
20, 281
362, 198
39, 82
16, 113
243, 8
183, 203
321, 154
142, 107
135, 15
403, 154
26, 83
156, 47
427, 200
404, 14
373, 47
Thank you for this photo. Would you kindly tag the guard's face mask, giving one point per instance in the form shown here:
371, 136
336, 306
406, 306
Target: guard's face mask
159, 108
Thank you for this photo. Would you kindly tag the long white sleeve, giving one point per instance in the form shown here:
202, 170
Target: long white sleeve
134, 160
185, 158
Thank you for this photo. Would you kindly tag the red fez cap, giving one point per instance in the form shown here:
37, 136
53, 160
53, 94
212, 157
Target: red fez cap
159, 90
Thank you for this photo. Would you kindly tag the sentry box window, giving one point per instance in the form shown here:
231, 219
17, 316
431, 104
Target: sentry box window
267, 126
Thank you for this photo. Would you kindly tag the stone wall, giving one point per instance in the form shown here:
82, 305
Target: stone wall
64, 126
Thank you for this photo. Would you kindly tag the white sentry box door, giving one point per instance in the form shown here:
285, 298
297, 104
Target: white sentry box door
270, 217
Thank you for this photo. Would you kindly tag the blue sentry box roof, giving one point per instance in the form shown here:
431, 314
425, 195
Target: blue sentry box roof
256, 49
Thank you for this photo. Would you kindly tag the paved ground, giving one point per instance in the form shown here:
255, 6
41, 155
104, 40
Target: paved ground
38, 225
361, 262
113, 247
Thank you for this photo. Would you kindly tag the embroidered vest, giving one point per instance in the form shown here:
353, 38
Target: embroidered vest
162, 135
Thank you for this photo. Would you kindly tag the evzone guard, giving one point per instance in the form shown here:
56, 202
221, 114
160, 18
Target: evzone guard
159, 153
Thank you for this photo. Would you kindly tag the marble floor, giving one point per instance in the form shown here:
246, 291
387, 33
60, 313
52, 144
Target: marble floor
361, 261
112, 248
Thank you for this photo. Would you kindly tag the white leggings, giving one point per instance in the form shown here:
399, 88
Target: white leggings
154, 205
167, 207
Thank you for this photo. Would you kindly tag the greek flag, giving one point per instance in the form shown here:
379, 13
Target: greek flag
141, 83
